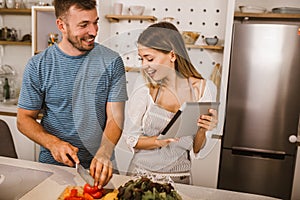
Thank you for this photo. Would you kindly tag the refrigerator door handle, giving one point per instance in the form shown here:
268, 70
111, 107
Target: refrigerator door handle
245, 151
296, 138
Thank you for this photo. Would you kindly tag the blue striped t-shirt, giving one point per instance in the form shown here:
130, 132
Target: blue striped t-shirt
73, 91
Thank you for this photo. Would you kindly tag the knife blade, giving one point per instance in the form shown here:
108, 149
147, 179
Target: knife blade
85, 175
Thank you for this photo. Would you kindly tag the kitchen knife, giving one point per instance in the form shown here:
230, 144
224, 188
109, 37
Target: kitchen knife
85, 175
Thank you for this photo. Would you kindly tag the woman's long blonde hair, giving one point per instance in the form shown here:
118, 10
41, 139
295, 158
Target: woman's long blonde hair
165, 37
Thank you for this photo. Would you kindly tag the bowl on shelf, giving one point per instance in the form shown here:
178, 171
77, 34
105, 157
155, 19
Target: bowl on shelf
286, 10
136, 10
190, 37
211, 41
252, 9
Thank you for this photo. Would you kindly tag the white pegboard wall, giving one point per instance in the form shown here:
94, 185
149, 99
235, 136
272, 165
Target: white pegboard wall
206, 17
203, 16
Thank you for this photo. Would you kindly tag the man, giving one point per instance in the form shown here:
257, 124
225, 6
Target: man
81, 88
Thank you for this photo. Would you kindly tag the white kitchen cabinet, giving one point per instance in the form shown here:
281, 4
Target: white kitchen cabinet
207, 168
42, 15
25, 148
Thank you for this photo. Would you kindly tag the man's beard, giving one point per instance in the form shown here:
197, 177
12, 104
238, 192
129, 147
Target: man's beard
75, 43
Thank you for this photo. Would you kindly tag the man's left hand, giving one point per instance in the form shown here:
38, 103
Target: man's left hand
101, 170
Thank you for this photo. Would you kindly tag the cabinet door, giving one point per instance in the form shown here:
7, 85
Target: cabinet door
25, 148
205, 170
42, 15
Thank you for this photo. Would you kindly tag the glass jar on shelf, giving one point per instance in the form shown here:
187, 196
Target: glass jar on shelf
10, 3
19, 4
2, 3
29, 3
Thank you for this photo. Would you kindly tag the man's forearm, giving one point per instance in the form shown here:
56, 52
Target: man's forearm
32, 129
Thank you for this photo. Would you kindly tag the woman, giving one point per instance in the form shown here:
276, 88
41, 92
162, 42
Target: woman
171, 80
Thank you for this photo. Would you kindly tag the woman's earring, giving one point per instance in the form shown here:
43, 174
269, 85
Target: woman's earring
173, 56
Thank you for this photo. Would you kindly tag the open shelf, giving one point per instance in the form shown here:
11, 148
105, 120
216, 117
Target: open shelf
132, 69
267, 15
15, 11
212, 47
2, 42
117, 18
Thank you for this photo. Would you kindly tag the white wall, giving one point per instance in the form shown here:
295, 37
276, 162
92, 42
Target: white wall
207, 17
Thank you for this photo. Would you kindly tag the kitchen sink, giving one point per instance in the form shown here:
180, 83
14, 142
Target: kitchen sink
15, 182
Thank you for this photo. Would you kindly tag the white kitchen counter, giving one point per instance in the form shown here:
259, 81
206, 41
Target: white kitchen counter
8, 109
61, 177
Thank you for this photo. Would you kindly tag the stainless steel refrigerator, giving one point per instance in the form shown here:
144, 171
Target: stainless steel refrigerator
262, 110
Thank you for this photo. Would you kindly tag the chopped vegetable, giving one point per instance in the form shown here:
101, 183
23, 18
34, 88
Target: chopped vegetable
73, 192
145, 189
93, 191
87, 196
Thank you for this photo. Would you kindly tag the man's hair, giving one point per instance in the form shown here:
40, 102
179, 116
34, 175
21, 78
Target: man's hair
62, 6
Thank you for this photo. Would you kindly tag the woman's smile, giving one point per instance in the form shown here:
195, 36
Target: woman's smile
150, 72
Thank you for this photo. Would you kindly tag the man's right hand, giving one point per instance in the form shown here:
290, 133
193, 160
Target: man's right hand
60, 149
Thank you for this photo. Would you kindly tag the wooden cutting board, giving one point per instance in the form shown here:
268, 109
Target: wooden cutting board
109, 194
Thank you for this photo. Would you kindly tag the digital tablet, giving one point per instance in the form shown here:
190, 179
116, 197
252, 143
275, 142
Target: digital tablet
184, 122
